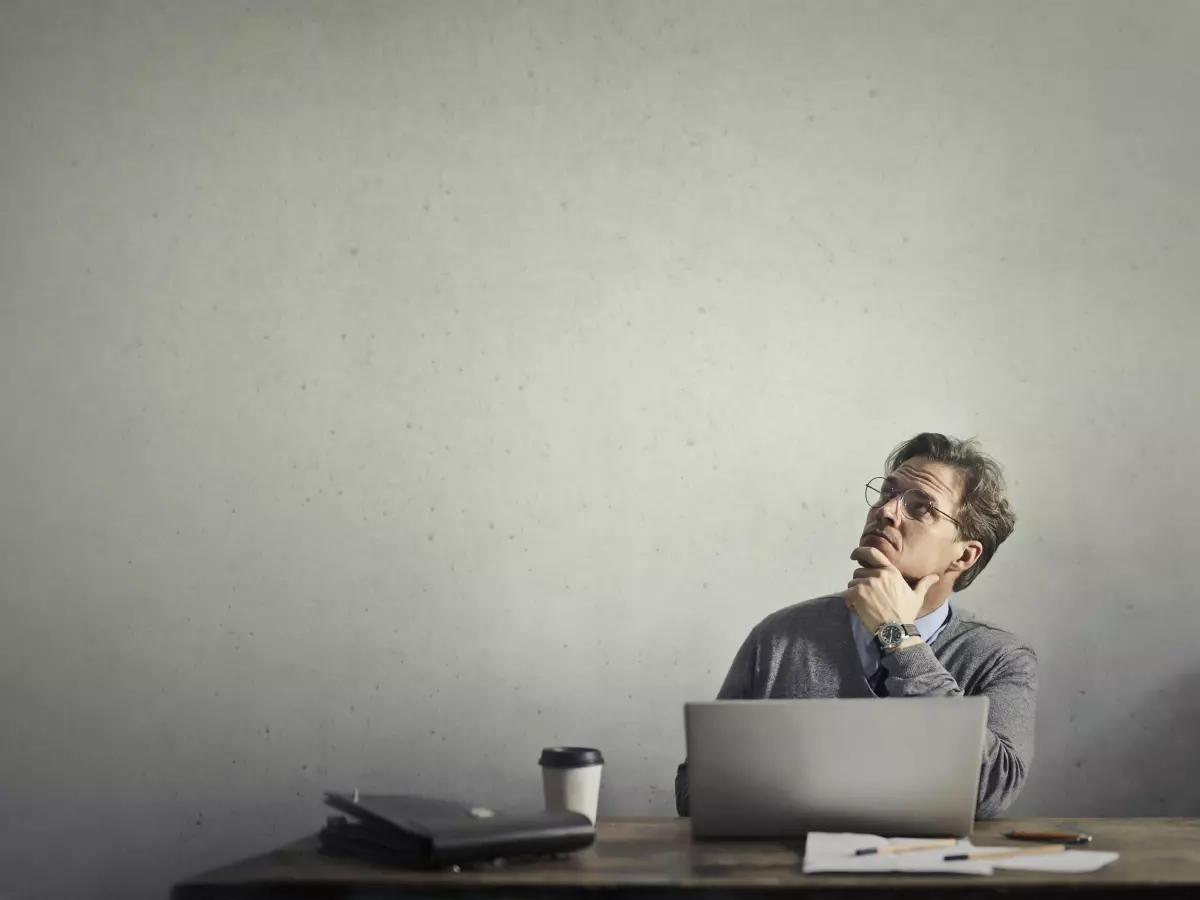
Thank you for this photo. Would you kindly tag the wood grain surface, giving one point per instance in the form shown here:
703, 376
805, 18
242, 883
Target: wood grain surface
640, 858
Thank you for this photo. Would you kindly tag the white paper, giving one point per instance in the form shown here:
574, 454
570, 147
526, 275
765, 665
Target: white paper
827, 852
1072, 861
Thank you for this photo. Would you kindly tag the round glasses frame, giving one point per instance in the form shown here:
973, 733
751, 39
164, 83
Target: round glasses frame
913, 502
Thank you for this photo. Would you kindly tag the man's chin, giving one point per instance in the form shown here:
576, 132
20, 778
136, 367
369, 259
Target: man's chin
881, 544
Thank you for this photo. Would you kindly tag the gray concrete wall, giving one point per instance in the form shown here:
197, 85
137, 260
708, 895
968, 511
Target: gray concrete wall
389, 389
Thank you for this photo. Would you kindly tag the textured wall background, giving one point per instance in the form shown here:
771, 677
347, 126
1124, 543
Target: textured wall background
389, 389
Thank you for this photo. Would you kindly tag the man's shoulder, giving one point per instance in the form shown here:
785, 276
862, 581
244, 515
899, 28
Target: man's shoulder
984, 637
801, 618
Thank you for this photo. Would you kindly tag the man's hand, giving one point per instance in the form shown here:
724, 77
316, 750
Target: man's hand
878, 592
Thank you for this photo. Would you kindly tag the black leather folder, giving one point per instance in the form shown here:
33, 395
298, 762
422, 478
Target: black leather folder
422, 832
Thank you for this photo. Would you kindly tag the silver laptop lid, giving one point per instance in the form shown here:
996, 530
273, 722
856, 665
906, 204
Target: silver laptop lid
778, 768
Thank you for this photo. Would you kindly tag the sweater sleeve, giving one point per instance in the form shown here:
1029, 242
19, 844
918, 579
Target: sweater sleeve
1010, 684
738, 685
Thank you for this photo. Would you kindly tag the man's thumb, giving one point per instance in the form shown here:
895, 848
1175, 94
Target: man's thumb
925, 584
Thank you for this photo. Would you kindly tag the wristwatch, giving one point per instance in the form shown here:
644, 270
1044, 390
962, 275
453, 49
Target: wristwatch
892, 634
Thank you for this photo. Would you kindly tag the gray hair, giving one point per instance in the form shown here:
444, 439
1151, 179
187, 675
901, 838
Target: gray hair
984, 513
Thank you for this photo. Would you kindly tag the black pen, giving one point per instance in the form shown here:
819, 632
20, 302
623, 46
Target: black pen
983, 854
906, 848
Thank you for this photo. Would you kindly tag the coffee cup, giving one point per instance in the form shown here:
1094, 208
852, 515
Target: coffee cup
571, 779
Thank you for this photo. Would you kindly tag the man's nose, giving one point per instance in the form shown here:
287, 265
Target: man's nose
890, 511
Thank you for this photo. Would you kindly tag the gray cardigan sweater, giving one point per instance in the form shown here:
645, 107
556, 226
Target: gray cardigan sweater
808, 651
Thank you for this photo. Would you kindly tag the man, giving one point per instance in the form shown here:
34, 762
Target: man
934, 522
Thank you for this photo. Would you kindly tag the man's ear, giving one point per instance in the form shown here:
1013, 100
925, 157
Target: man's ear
971, 551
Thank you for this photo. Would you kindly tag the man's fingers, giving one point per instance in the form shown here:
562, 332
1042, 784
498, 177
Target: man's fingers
866, 573
871, 557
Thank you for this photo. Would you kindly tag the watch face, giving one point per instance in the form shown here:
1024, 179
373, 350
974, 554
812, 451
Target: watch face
891, 634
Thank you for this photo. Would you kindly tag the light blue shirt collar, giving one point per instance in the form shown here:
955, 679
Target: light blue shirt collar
930, 626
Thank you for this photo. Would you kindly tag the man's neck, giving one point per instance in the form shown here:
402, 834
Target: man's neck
935, 599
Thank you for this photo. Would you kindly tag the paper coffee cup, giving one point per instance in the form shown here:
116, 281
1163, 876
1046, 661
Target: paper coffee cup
571, 779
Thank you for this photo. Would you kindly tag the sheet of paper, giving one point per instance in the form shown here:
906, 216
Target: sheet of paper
826, 852
1073, 861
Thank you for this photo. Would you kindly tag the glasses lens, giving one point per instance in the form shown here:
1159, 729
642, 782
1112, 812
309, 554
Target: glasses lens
874, 492
918, 505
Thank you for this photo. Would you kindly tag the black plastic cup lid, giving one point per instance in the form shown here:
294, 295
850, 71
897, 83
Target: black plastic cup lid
570, 757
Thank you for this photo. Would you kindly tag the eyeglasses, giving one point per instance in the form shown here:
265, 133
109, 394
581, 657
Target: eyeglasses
915, 503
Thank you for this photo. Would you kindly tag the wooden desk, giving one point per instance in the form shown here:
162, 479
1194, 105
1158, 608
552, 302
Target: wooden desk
655, 859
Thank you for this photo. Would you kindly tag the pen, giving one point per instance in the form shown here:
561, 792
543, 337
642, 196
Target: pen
1054, 836
906, 848
1003, 854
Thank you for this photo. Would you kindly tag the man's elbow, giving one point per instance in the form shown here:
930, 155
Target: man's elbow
1001, 785
682, 797
991, 805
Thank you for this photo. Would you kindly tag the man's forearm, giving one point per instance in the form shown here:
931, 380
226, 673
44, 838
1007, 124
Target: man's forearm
1008, 747
914, 671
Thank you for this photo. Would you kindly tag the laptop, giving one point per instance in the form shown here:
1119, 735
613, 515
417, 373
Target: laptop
782, 768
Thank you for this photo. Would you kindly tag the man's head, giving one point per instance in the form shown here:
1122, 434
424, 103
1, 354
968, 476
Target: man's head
940, 510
